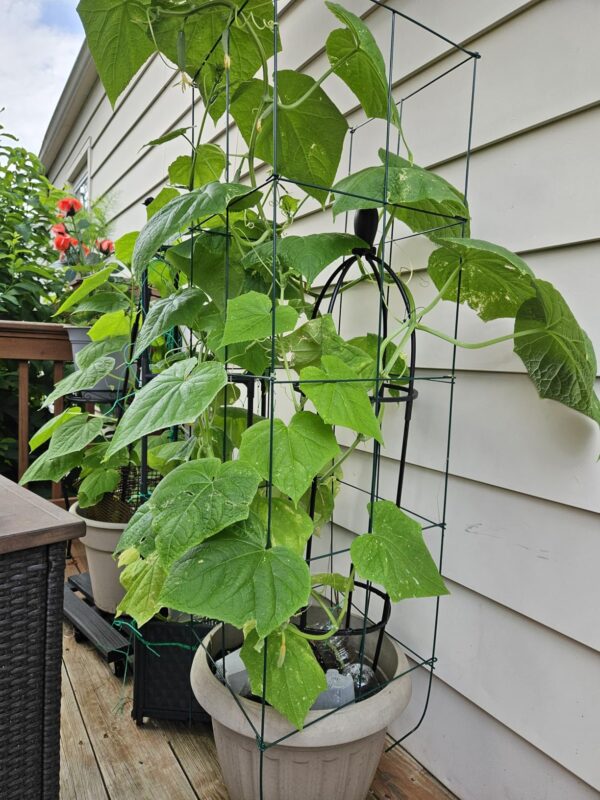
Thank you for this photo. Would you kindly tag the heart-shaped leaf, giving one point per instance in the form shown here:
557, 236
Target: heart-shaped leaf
178, 395
340, 397
235, 578
144, 581
95, 485
396, 556
197, 500
86, 287
300, 451
74, 435
494, 282
81, 379
46, 431
250, 319
294, 677
181, 308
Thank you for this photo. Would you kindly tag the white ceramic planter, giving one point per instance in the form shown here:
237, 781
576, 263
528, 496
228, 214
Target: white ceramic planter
78, 338
334, 759
100, 541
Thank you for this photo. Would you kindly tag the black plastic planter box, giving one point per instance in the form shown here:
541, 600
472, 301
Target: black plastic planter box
161, 682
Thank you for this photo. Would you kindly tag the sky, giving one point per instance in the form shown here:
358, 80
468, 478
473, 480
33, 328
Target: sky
39, 41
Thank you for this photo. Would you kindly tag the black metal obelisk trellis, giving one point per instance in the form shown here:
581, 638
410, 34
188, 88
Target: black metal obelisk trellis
263, 392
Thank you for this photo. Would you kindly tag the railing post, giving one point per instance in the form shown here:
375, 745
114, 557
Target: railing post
23, 427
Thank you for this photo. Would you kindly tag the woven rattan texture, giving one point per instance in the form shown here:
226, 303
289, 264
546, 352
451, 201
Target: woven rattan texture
31, 589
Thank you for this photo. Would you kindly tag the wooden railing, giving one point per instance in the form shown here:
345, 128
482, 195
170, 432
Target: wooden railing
33, 341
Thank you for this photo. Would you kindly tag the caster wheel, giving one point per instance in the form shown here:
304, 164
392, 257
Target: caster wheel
79, 636
119, 668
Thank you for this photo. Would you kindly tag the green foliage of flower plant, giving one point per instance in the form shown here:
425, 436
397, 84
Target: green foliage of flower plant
223, 533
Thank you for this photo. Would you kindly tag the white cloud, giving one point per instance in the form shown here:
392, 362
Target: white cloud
39, 41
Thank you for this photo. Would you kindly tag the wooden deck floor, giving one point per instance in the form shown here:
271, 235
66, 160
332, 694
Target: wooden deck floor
106, 756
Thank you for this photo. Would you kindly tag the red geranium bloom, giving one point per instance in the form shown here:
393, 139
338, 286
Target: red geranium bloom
58, 230
69, 206
105, 246
86, 249
62, 243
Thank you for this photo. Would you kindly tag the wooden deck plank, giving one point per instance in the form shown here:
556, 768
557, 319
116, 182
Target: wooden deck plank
400, 777
135, 762
80, 775
196, 752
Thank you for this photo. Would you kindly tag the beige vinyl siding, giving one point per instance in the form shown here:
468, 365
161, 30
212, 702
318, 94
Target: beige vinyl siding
515, 707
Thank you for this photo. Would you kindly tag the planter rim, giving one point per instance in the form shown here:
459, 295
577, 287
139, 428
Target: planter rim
111, 526
352, 723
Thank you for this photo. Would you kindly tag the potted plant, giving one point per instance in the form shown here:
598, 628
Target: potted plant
223, 535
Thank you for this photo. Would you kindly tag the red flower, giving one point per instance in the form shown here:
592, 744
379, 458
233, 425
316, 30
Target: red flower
105, 246
62, 243
69, 206
86, 249
58, 230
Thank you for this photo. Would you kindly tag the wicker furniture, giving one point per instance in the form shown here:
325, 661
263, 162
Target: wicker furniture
33, 533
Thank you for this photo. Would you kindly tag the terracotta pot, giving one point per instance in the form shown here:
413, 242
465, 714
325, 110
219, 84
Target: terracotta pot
100, 541
334, 759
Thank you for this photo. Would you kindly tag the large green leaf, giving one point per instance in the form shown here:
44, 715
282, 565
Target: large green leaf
291, 527
74, 435
356, 59
250, 318
178, 395
396, 556
305, 255
234, 578
494, 282
197, 500
300, 450
557, 353
86, 287
181, 211
117, 41
81, 379
46, 431
207, 166
45, 468
423, 200
181, 308
310, 136
102, 302
95, 485
105, 347
165, 196
144, 581
111, 325
341, 398
294, 676
124, 246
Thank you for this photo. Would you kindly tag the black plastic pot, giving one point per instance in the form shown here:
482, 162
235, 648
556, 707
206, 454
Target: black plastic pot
162, 664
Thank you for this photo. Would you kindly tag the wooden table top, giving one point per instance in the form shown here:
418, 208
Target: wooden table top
27, 520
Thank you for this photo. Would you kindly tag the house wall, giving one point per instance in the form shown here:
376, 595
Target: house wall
515, 706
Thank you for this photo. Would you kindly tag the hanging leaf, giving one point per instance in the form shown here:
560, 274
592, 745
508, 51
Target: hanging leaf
294, 678
168, 137
214, 198
197, 500
86, 287
81, 379
124, 247
102, 303
144, 581
95, 485
310, 136
176, 396
46, 431
249, 319
300, 451
160, 201
319, 337
396, 556
342, 399
234, 578
494, 282
138, 533
107, 27
182, 308
305, 255
557, 353
356, 59
74, 435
